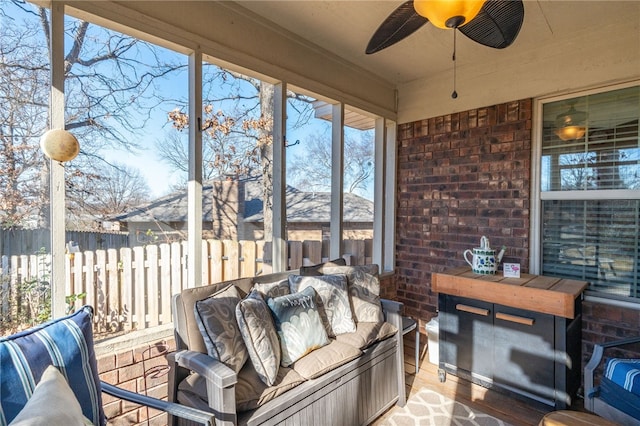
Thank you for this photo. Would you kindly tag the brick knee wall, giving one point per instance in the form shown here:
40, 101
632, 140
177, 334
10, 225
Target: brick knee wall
143, 370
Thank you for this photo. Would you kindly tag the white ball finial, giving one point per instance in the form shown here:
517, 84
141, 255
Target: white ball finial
59, 145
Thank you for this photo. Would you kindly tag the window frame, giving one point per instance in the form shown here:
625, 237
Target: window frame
538, 196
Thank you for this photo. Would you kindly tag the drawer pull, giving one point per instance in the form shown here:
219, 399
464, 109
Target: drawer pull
472, 310
515, 318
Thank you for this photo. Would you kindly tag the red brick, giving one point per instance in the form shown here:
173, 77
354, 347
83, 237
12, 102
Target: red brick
106, 363
124, 359
460, 176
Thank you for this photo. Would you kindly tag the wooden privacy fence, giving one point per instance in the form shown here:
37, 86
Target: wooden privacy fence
26, 241
131, 288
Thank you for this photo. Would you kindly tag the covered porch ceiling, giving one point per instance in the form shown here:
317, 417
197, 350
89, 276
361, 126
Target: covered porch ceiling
344, 28
556, 42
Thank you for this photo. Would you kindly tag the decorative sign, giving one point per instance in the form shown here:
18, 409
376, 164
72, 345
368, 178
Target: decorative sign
511, 270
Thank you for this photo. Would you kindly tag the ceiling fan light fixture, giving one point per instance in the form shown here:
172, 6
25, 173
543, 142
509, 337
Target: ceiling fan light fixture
571, 125
448, 14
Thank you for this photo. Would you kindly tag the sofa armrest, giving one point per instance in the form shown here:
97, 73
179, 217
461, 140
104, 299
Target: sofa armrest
596, 359
393, 314
391, 306
173, 409
209, 368
220, 382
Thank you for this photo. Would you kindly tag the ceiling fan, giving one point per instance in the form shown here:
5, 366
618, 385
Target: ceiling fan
492, 23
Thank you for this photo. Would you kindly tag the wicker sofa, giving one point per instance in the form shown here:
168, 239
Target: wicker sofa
350, 380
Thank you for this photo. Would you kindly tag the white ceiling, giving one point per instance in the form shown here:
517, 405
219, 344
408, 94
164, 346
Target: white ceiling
345, 27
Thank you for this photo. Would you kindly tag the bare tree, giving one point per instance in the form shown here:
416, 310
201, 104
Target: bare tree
238, 130
111, 88
23, 116
312, 169
106, 194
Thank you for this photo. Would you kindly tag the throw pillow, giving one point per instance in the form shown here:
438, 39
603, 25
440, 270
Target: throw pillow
316, 270
52, 403
216, 317
332, 290
364, 289
260, 336
298, 324
66, 343
269, 290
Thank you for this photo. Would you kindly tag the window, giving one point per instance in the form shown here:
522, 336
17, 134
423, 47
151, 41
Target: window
590, 191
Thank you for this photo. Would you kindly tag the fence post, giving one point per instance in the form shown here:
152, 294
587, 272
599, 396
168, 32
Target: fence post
295, 255
248, 258
126, 287
231, 264
139, 318
165, 283
113, 288
153, 293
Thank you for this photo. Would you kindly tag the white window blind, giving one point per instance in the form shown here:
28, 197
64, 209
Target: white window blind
590, 191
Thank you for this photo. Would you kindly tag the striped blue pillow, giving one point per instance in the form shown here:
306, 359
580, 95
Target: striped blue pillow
66, 343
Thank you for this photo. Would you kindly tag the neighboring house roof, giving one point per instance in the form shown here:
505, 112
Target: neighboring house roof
170, 208
303, 207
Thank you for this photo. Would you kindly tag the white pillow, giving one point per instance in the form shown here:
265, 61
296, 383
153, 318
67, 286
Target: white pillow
52, 403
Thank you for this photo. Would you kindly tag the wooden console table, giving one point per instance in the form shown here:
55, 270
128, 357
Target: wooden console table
519, 335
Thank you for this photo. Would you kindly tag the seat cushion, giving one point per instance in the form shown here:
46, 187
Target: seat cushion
299, 325
333, 292
259, 335
619, 398
368, 333
625, 373
66, 343
251, 392
325, 359
216, 317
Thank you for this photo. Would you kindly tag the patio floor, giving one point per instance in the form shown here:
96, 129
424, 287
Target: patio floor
504, 407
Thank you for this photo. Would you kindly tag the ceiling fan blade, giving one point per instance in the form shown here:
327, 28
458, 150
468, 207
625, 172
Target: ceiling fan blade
402, 22
497, 25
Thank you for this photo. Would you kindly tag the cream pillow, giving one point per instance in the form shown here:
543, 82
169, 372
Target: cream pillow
52, 403
333, 293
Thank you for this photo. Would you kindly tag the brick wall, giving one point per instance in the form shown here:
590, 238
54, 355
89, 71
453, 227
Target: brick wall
143, 370
602, 323
460, 176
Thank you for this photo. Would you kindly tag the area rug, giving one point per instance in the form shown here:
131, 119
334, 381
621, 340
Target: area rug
430, 408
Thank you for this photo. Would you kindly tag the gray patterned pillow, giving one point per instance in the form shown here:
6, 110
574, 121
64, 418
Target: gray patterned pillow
216, 318
298, 324
364, 289
260, 336
316, 270
332, 290
269, 290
